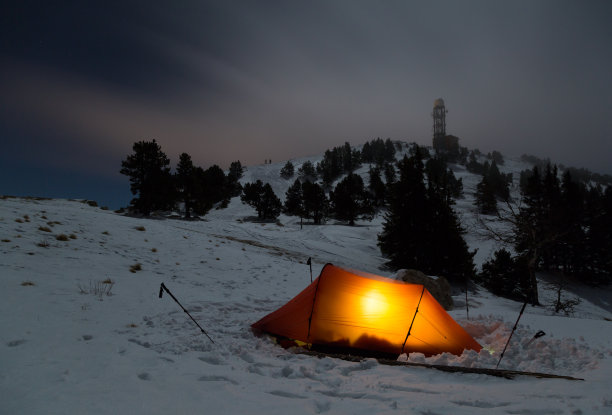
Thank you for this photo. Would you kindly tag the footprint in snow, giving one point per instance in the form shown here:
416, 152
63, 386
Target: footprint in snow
144, 376
284, 394
213, 378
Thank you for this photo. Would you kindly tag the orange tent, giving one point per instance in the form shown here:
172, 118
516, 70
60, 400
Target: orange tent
355, 311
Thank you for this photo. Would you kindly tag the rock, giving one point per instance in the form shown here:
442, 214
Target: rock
437, 286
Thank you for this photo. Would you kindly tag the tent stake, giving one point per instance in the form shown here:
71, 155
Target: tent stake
511, 333
163, 288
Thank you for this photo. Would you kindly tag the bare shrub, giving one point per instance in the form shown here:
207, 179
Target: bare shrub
98, 288
43, 244
135, 267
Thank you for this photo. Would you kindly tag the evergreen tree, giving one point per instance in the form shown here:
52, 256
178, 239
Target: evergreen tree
389, 150
287, 171
307, 171
315, 202
215, 184
404, 229
150, 177
186, 183
485, 197
233, 186
271, 204
421, 230
376, 187
262, 198
443, 179
350, 201
505, 276
390, 175
294, 204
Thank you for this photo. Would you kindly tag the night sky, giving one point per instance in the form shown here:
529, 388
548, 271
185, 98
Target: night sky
81, 81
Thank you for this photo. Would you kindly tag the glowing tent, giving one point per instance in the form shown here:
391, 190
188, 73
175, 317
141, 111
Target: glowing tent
355, 311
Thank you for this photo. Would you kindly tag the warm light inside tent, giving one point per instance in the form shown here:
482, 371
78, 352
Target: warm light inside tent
374, 303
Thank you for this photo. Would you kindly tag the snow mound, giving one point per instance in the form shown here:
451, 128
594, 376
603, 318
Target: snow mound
568, 356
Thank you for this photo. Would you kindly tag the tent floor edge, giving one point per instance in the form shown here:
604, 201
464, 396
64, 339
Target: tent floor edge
503, 373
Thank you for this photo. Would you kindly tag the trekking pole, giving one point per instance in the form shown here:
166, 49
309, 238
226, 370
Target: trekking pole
309, 263
467, 307
163, 288
511, 333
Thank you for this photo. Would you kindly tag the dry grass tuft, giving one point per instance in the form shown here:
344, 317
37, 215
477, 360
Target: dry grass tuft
135, 267
72, 236
105, 233
140, 228
62, 237
108, 281
44, 229
98, 288
27, 284
19, 220
6, 240
153, 249
42, 244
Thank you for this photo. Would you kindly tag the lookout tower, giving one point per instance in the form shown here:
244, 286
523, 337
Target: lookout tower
442, 143
439, 121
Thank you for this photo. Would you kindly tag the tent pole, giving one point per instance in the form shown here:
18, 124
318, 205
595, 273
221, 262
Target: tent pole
314, 298
412, 322
309, 263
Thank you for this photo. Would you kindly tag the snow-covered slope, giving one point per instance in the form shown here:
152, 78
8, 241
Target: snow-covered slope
65, 349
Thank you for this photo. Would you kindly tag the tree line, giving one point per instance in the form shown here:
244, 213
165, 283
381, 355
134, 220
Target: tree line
561, 226
157, 188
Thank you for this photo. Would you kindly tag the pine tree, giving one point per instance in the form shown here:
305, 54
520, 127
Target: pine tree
485, 197
150, 177
287, 171
186, 182
271, 204
307, 171
350, 201
376, 187
294, 204
405, 228
315, 202
262, 198
505, 276
233, 187
421, 230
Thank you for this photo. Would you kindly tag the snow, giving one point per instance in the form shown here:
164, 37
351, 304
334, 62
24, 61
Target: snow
66, 351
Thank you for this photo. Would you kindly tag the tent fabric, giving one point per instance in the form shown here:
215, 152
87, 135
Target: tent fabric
345, 309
